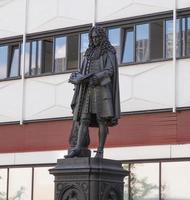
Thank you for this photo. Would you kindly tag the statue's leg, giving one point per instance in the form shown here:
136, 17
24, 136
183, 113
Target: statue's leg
83, 133
81, 140
103, 131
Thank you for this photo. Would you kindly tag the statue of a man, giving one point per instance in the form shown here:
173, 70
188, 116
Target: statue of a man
96, 99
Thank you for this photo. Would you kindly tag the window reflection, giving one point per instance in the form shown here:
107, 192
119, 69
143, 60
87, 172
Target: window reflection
27, 58
15, 61
126, 183
142, 42
144, 181
43, 182
20, 180
169, 38
84, 45
175, 181
3, 184
3, 61
183, 35
114, 38
188, 36
39, 56
72, 51
128, 51
178, 38
33, 58
60, 54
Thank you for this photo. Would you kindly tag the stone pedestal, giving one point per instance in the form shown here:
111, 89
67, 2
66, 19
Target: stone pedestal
88, 179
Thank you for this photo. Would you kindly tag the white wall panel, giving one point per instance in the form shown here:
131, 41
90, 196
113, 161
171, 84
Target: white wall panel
183, 4
48, 97
111, 9
118, 153
54, 14
183, 83
146, 87
10, 96
11, 17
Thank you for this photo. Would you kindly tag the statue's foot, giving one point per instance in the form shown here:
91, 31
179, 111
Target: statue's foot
99, 154
73, 153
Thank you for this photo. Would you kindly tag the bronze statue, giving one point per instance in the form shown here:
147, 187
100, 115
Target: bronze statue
96, 99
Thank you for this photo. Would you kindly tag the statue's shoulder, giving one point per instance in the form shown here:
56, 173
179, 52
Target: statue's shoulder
111, 54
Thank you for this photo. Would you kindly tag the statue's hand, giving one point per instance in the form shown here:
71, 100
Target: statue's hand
75, 78
93, 81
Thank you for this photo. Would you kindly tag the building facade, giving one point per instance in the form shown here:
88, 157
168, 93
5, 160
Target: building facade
42, 42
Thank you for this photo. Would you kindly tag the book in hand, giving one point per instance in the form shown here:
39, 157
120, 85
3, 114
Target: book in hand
77, 77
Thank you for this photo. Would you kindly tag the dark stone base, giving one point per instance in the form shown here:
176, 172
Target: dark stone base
88, 179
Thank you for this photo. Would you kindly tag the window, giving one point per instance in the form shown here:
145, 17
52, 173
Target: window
169, 38
14, 54
72, 51
33, 57
3, 61
47, 55
27, 58
3, 184
83, 45
128, 47
20, 183
9, 61
175, 185
183, 37
43, 182
28, 183
188, 36
144, 182
156, 40
60, 54
114, 38
142, 42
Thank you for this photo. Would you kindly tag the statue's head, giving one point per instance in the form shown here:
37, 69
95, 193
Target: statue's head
97, 36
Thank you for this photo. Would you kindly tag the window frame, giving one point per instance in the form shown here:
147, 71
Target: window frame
11, 45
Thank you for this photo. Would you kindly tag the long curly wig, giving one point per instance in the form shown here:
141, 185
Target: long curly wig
104, 45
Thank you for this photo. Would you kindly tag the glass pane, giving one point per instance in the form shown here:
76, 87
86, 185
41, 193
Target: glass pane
126, 183
175, 181
114, 38
33, 58
43, 182
142, 42
72, 52
128, 51
169, 38
39, 61
188, 36
14, 68
144, 181
3, 61
47, 55
178, 38
183, 37
156, 44
20, 183
60, 54
3, 184
27, 58
84, 45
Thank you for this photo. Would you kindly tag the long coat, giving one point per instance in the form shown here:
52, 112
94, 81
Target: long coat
108, 99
